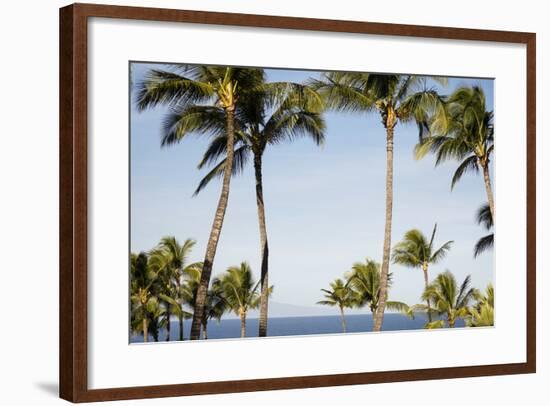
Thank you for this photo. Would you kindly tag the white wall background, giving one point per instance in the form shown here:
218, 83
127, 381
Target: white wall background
29, 193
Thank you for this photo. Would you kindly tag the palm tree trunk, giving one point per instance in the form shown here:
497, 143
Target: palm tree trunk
344, 327
204, 331
425, 271
489, 190
383, 295
167, 323
243, 324
181, 327
145, 331
264, 250
216, 229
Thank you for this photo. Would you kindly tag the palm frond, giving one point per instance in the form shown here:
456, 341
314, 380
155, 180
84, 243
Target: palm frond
164, 87
435, 324
483, 216
468, 165
292, 124
484, 244
192, 119
240, 159
339, 93
441, 253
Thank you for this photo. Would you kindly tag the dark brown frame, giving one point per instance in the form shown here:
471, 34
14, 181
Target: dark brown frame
73, 201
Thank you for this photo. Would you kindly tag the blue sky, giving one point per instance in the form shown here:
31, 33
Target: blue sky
325, 205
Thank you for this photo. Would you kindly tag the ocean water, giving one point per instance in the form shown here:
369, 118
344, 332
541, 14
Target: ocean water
291, 326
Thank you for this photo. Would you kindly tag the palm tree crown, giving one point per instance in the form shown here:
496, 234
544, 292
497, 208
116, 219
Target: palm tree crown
143, 295
364, 281
464, 133
448, 298
483, 313
240, 291
416, 251
341, 296
275, 113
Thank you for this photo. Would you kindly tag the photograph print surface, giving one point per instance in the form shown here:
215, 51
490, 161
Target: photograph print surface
280, 202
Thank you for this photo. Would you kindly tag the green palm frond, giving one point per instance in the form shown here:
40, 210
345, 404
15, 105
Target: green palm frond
447, 298
267, 114
435, 324
484, 244
364, 282
217, 148
414, 250
190, 119
470, 164
484, 217
422, 107
463, 131
289, 95
240, 159
441, 252
164, 87
340, 294
240, 290
340, 93
291, 124
399, 307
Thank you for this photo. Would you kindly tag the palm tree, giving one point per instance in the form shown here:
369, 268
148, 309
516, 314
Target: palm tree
339, 295
275, 113
448, 299
159, 261
215, 305
200, 98
240, 291
484, 218
143, 300
396, 98
170, 257
415, 251
466, 133
364, 281
483, 313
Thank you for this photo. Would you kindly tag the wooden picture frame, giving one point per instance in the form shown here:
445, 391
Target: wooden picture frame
74, 201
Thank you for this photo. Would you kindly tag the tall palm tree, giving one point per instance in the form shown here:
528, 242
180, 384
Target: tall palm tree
483, 313
240, 291
448, 299
341, 296
415, 251
465, 133
142, 293
365, 283
395, 98
200, 97
484, 218
277, 112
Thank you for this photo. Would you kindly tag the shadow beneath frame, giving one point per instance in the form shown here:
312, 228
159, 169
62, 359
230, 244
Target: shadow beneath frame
50, 388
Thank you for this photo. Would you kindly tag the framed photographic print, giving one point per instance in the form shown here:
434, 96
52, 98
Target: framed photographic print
248, 194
